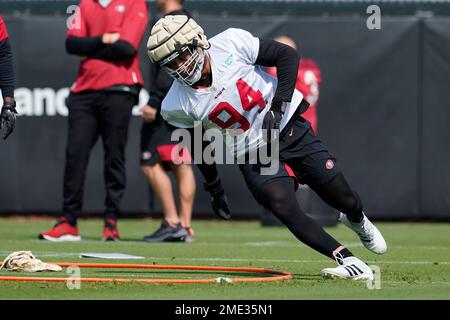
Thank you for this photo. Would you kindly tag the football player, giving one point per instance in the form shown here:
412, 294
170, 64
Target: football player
221, 83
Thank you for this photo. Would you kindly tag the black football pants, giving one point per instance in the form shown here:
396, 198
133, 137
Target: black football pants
95, 114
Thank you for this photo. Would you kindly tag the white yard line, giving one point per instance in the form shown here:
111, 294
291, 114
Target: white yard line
276, 243
282, 243
39, 254
293, 261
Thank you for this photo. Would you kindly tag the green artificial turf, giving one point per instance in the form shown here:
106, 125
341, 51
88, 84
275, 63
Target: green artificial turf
416, 266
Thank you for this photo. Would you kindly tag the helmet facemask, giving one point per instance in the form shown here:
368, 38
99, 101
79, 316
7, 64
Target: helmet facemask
177, 43
185, 64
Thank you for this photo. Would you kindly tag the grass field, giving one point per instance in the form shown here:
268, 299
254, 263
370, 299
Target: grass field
417, 265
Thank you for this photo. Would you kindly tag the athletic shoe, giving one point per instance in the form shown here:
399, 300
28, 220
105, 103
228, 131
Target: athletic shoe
369, 235
349, 268
190, 235
167, 233
110, 232
62, 231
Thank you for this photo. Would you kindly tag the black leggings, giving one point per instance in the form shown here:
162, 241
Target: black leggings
338, 194
278, 196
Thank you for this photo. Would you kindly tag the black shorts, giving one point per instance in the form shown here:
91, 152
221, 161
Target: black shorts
306, 155
155, 142
302, 157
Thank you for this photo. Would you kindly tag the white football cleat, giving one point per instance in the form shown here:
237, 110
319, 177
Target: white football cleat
351, 268
369, 235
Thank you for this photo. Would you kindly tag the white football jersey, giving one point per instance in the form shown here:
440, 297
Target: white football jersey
239, 97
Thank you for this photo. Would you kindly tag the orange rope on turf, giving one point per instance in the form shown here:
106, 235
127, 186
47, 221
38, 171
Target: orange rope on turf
279, 275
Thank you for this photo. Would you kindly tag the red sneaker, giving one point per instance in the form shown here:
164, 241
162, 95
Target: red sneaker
110, 232
62, 231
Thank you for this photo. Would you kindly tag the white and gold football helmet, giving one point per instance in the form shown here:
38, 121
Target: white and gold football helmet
177, 44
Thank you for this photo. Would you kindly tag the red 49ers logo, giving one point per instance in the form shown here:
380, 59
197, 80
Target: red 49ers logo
330, 164
249, 99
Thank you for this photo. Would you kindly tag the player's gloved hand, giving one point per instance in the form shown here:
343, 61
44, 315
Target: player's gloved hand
273, 117
8, 117
219, 200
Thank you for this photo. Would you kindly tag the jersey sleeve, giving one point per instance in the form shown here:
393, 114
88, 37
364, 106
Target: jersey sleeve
242, 43
7, 77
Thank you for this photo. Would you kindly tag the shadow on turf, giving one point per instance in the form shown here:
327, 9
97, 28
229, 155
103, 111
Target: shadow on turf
300, 276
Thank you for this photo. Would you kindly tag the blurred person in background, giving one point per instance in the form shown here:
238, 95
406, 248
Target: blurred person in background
308, 81
8, 111
107, 87
156, 150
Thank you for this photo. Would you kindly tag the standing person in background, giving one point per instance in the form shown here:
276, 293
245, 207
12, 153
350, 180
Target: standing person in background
8, 112
100, 104
156, 149
308, 80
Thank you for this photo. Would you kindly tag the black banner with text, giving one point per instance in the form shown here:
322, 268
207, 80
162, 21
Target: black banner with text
383, 107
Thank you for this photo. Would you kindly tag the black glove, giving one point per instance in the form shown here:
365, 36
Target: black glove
8, 118
219, 201
273, 118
